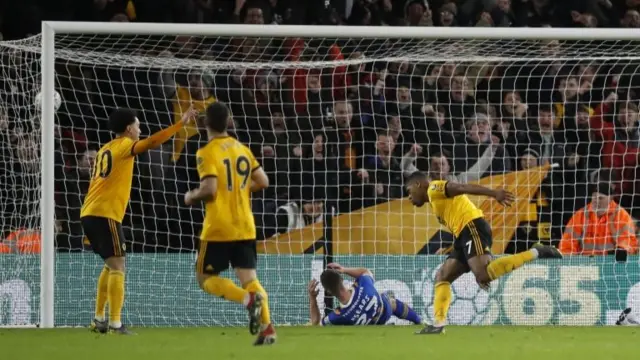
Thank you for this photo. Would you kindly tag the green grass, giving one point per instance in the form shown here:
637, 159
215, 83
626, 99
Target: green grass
306, 343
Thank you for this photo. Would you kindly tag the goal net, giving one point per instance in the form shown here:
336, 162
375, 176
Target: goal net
338, 124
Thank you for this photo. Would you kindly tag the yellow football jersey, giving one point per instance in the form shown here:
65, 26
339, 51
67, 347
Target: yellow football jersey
453, 212
110, 187
229, 216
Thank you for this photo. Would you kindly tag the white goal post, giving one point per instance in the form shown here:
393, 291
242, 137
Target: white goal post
426, 46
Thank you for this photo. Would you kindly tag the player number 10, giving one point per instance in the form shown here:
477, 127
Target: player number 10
242, 168
103, 165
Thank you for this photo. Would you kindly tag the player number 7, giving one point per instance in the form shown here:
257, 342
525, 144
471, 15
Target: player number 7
468, 247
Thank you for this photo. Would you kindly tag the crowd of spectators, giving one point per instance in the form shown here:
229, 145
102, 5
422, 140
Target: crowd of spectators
340, 136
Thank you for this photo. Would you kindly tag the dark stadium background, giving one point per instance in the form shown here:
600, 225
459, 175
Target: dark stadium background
159, 222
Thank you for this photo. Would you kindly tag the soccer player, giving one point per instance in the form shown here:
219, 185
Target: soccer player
105, 205
473, 239
362, 304
228, 174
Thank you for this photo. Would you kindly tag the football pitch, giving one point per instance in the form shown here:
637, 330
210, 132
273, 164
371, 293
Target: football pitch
306, 343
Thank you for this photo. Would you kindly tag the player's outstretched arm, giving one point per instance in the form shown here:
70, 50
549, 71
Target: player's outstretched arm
503, 197
259, 180
163, 135
314, 310
353, 272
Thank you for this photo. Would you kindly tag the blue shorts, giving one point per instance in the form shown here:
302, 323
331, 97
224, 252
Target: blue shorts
387, 310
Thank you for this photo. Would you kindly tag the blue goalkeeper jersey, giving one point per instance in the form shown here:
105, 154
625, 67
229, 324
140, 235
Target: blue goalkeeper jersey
366, 306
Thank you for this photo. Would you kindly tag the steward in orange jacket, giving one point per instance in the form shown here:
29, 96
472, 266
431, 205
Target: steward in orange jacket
599, 228
22, 241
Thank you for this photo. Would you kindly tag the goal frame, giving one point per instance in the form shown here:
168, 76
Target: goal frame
51, 28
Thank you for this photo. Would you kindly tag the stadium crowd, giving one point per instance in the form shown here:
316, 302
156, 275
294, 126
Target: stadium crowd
341, 136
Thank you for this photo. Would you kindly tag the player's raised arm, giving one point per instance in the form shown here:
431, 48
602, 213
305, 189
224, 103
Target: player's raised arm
163, 135
314, 310
353, 272
503, 197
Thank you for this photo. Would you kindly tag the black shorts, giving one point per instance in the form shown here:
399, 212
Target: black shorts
474, 240
105, 236
215, 257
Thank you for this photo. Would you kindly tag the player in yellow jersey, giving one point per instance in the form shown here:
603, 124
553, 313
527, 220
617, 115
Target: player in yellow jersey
473, 239
105, 205
228, 174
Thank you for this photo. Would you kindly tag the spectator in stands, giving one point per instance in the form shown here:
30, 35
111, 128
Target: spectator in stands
460, 105
600, 228
477, 141
529, 159
385, 171
70, 192
298, 214
579, 134
278, 144
447, 14
312, 119
514, 110
347, 137
313, 168
393, 127
537, 13
621, 144
565, 185
417, 13
438, 133
631, 19
544, 138
414, 129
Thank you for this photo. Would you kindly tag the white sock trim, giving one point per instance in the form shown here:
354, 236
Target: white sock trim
115, 324
535, 253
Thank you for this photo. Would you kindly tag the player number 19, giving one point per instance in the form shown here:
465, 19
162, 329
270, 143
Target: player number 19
242, 168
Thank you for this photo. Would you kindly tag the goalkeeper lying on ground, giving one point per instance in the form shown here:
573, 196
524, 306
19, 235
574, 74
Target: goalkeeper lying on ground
361, 304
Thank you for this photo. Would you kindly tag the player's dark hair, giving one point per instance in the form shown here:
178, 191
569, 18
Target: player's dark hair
120, 119
217, 117
417, 176
331, 281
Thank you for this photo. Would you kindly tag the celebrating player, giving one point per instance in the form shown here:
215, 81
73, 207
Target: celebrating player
360, 305
228, 174
473, 239
105, 205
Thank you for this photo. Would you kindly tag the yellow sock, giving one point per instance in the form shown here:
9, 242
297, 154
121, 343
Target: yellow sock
506, 264
441, 302
254, 286
225, 288
116, 297
102, 294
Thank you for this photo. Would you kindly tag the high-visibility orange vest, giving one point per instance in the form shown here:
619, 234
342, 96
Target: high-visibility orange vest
24, 241
590, 234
